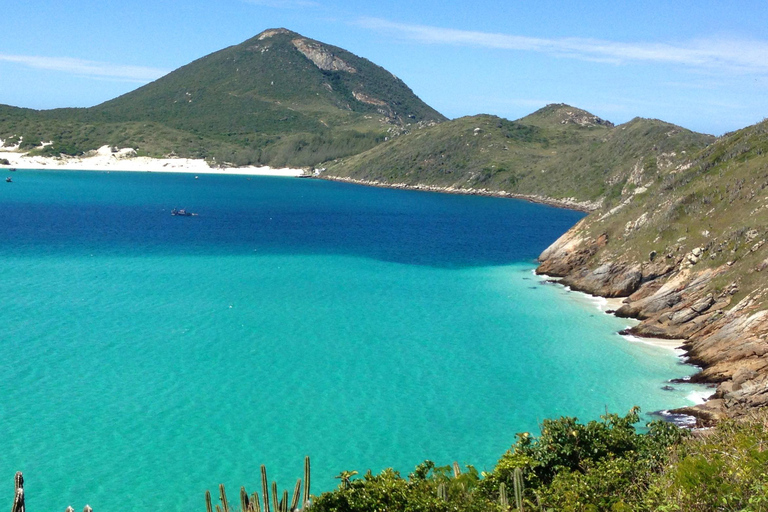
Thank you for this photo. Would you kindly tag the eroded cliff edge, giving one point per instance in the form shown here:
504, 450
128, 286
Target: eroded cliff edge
688, 254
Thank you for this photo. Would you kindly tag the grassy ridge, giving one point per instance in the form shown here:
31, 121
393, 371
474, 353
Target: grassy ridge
559, 151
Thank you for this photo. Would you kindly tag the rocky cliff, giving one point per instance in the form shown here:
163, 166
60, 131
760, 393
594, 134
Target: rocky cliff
688, 256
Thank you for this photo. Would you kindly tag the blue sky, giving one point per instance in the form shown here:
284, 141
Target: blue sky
700, 64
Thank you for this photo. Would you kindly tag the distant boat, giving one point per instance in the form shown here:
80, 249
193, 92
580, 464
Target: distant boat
12, 169
8, 179
181, 212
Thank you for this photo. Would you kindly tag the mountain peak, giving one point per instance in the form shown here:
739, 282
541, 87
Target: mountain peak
275, 31
562, 114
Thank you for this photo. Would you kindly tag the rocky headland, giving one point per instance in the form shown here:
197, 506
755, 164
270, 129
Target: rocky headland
717, 310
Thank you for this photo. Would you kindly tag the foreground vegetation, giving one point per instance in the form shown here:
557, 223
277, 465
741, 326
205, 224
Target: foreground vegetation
604, 465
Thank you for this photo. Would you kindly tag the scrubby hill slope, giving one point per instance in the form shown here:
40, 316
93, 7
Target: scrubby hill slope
559, 152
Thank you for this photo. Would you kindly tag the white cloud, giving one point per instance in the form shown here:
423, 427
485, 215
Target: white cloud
88, 68
742, 56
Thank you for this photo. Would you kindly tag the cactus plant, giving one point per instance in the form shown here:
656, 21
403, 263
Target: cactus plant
456, 470
18, 495
296, 495
503, 499
253, 503
305, 503
70, 509
275, 503
245, 504
442, 491
517, 480
265, 488
223, 498
87, 509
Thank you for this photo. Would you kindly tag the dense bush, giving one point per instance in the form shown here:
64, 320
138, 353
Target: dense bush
600, 465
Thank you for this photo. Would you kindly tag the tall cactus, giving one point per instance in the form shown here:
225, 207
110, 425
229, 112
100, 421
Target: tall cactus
265, 488
255, 505
275, 503
223, 498
18, 495
87, 509
208, 505
305, 503
70, 509
442, 491
245, 504
503, 499
517, 480
284, 502
296, 495
456, 470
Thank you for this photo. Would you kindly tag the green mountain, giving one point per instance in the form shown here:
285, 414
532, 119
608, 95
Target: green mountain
559, 152
278, 98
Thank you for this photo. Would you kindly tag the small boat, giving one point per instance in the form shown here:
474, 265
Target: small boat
8, 179
12, 169
182, 213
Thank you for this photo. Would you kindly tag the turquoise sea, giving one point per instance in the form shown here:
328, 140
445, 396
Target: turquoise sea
145, 358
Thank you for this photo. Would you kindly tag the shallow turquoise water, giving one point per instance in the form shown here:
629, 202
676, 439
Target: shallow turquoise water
146, 358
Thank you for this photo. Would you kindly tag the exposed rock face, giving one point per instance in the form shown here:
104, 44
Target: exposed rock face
321, 56
584, 119
675, 300
382, 107
272, 32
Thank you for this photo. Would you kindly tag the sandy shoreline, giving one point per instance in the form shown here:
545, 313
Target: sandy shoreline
609, 305
104, 159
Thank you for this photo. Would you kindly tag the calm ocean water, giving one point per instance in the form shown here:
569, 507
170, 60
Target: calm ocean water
146, 358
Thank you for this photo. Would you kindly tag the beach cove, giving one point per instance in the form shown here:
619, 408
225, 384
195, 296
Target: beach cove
364, 327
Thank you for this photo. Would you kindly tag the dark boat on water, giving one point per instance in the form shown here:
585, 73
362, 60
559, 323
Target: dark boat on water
8, 179
182, 213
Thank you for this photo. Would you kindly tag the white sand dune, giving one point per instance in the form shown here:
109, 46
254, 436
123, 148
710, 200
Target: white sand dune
105, 159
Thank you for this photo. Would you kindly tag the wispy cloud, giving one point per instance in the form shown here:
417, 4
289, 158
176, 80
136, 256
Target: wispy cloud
742, 56
284, 4
87, 68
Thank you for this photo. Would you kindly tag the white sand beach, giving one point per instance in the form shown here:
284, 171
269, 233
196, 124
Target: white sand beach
107, 159
610, 305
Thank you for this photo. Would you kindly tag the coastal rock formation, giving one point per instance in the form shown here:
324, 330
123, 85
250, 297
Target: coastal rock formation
729, 341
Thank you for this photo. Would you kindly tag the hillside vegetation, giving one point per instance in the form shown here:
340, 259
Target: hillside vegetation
278, 98
559, 152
